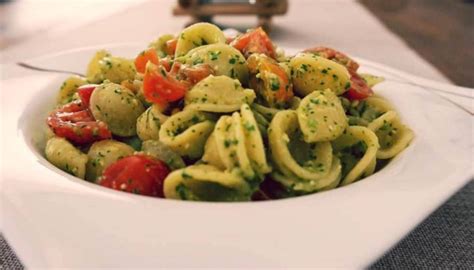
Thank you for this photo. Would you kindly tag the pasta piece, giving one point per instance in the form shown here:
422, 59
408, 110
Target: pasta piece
197, 35
262, 123
66, 157
160, 44
104, 66
230, 145
102, 154
149, 123
321, 116
206, 183
392, 134
253, 141
310, 72
269, 113
354, 136
292, 155
222, 58
118, 107
270, 81
329, 181
68, 90
266, 112
236, 143
211, 154
218, 94
186, 132
362, 112
162, 152
379, 104
371, 80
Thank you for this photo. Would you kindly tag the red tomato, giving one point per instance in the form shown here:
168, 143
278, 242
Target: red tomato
149, 55
74, 122
161, 87
85, 92
274, 85
254, 41
196, 73
170, 47
166, 63
359, 88
139, 174
336, 56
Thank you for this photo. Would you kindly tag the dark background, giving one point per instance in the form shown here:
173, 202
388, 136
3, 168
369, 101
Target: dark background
441, 31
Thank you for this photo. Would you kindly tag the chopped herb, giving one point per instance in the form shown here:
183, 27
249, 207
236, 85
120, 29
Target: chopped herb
181, 190
185, 175
347, 86
163, 72
249, 127
275, 85
198, 61
214, 55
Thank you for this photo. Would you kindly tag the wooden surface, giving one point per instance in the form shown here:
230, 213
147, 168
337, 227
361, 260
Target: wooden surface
441, 31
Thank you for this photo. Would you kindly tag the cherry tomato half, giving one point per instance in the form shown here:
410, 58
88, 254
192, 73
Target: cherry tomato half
336, 56
139, 174
148, 55
170, 46
85, 92
161, 87
359, 88
273, 85
75, 122
254, 41
196, 73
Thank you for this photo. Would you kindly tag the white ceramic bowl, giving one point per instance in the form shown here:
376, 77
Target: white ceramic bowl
52, 219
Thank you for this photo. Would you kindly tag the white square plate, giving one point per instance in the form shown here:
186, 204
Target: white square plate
52, 219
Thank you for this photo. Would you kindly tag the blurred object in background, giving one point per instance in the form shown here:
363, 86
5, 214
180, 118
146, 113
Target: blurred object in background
204, 10
21, 20
441, 31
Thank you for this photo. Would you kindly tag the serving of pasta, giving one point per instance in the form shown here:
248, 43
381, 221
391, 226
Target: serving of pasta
205, 117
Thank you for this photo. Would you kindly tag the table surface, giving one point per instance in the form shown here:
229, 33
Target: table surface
444, 240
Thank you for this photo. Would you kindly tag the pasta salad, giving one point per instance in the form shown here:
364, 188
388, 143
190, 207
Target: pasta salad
205, 117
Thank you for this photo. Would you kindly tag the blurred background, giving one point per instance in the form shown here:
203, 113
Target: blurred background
439, 31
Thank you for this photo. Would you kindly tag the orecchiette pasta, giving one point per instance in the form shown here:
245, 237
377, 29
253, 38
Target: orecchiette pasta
311, 72
102, 154
224, 60
186, 132
198, 35
206, 183
371, 80
311, 164
104, 66
355, 136
205, 117
68, 90
218, 94
321, 116
392, 134
162, 152
65, 156
236, 143
118, 107
159, 44
149, 123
